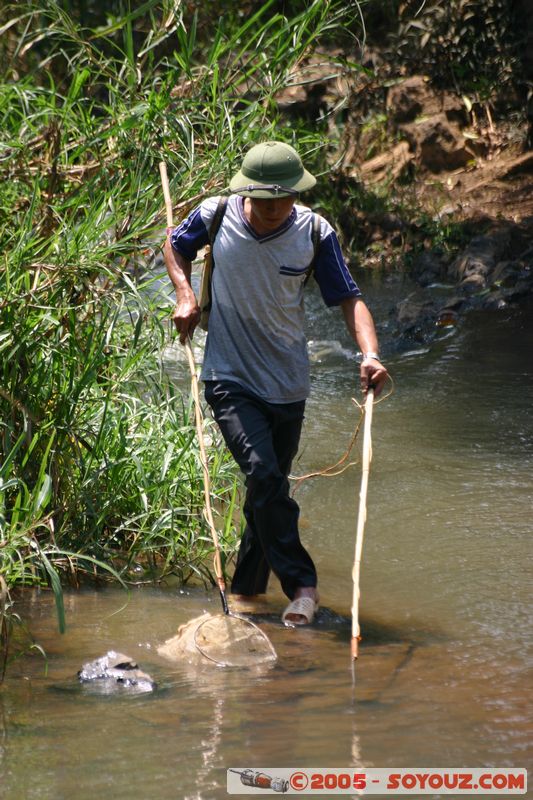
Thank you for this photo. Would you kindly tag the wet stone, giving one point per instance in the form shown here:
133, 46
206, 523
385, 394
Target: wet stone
116, 670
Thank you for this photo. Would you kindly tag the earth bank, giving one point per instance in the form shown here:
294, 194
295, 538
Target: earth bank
427, 181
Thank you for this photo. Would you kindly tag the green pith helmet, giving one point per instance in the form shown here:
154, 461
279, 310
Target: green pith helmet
271, 169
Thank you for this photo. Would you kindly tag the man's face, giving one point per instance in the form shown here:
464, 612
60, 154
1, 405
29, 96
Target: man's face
269, 214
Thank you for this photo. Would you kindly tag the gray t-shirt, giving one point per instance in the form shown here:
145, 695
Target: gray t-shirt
256, 324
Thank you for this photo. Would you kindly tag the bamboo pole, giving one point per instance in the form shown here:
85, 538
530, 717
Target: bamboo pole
199, 420
205, 471
361, 519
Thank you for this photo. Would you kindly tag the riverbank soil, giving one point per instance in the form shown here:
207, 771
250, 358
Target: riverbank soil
428, 181
469, 243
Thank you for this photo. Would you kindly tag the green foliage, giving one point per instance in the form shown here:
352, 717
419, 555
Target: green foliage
471, 45
162, 77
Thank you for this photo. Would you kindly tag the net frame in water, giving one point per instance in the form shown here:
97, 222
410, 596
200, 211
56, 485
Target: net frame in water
268, 654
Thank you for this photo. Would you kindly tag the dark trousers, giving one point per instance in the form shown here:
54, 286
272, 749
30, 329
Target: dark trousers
263, 439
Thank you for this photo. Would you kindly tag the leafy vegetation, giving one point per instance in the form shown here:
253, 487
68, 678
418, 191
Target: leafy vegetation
474, 47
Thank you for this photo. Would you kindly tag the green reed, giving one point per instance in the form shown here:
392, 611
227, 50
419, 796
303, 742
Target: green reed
100, 472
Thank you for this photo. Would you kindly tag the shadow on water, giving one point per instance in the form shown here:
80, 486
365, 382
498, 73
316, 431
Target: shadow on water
376, 632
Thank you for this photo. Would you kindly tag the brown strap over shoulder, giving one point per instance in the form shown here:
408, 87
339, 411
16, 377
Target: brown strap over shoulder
205, 288
315, 236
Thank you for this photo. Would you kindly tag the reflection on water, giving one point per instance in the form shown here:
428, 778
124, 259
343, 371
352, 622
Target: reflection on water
445, 606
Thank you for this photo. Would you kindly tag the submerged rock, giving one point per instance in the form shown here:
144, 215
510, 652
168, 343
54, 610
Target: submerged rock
116, 669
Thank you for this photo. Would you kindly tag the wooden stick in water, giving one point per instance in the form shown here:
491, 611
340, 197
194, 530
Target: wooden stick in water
361, 519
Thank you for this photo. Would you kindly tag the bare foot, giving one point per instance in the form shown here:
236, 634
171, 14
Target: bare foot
246, 603
247, 598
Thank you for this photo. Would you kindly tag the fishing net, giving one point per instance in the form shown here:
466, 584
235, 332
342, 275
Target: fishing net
226, 640
233, 641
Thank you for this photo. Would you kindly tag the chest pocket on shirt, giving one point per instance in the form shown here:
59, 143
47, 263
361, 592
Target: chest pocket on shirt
291, 286
293, 272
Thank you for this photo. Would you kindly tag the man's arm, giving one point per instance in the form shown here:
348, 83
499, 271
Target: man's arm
186, 314
362, 330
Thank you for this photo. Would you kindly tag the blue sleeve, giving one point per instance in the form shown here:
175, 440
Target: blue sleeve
331, 273
190, 235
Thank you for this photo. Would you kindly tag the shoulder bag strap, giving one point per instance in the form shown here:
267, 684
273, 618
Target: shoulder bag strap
315, 236
205, 301
217, 219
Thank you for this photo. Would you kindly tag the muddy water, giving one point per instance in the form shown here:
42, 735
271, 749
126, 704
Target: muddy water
442, 678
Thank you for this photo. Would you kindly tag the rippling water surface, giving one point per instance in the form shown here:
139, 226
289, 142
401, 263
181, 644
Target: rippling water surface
442, 678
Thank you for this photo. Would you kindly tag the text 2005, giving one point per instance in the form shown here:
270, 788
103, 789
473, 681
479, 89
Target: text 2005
345, 780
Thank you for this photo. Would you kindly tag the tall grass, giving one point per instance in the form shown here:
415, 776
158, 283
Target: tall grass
100, 472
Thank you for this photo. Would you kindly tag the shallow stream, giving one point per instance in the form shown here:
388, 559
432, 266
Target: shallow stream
442, 679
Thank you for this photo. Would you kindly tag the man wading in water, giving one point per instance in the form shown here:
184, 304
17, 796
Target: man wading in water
256, 368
